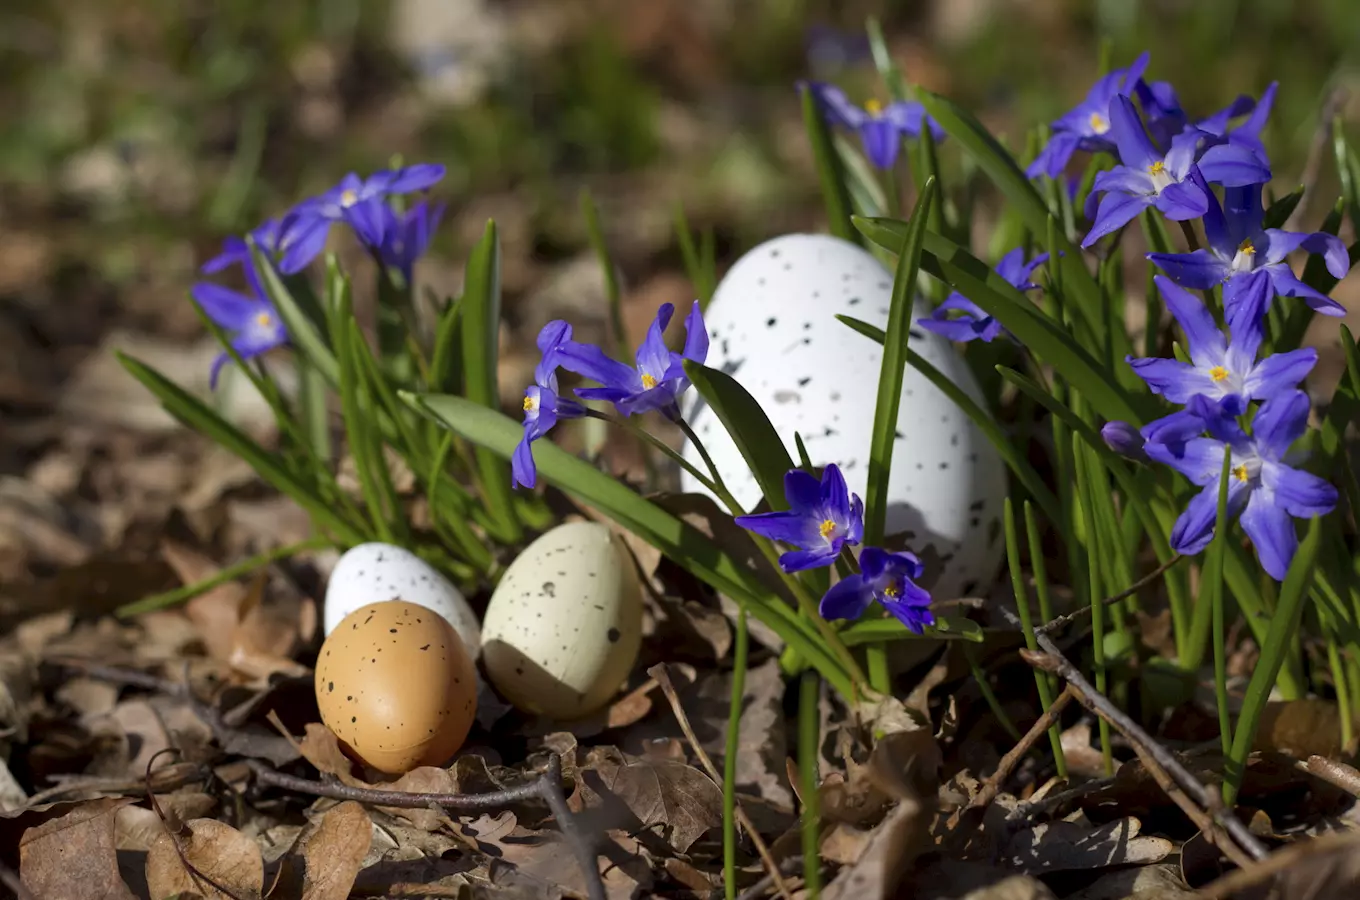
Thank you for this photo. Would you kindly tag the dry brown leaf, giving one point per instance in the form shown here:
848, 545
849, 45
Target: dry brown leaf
1159, 882
73, 855
334, 852
681, 800
219, 854
1059, 846
1013, 887
887, 857
320, 747
1300, 728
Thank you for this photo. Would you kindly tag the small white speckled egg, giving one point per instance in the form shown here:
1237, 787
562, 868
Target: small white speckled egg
772, 327
372, 573
564, 625
396, 686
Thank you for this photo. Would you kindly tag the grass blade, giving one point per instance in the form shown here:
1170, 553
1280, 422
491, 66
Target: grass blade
893, 369
830, 173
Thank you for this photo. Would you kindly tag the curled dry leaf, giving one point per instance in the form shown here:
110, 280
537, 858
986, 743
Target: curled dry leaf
226, 863
334, 852
681, 801
73, 855
1300, 728
1159, 882
886, 857
1059, 846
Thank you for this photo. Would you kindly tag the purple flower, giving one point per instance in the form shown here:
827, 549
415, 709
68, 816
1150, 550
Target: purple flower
1264, 489
659, 379
252, 323
1223, 370
358, 201
403, 238
543, 405
823, 516
268, 237
1124, 439
1166, 118
889, 578
1087, 125
881, 128
1147, 177
1242, 255
960, 319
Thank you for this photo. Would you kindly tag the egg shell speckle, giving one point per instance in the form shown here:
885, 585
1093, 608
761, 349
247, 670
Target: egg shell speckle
564, 625
772, 327
374, 572
396, 686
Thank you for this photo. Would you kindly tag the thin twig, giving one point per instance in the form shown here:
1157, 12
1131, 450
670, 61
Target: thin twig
992, 786
790, 865
196, 875
1026, 808
1203, 821
1277, 863
547, 788
10, 879
1312, 166
1149, 578
1052, 659
663, 680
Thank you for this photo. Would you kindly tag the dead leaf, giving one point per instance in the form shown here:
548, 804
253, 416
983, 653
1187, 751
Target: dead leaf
73, 855
1159, 882
1059, 846
681, 800
1014, 887
219, 854
334, 852
887, 857
1300, 728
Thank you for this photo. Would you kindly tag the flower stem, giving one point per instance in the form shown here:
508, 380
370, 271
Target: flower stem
659, 444
1191, 239
805, 602
729, 785
809, 737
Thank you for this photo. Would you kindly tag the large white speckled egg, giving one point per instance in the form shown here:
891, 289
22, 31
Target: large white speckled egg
773, 328
564, 625
375, 572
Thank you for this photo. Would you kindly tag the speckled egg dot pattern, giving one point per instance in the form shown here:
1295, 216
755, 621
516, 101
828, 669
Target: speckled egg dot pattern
395, 684
772, 327
563, 628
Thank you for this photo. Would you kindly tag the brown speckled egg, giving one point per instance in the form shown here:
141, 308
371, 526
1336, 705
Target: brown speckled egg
395, 684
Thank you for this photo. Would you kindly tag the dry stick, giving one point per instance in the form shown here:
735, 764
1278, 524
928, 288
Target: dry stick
663, 680
1312, 166
1149, 578
10, 879
547, 788
196, 875
1053, 660
992, 786
791, 865
1278, 862
1027, 808
1203, 821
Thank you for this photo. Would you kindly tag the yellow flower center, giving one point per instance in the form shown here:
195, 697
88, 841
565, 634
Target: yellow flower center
648, 381
1218, 373
1098, 123
1247, 248
264, 320
873, 106
348, 197
1240, 472
893, 589
1157, 168
827, 528
530, 404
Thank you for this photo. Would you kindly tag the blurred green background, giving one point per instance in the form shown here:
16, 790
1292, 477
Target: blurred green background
134, 135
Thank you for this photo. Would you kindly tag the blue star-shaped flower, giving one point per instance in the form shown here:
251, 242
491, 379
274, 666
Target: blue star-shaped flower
543, 404
250, 320
823, 517
889, 578
880, 128
960, 319
1087, 125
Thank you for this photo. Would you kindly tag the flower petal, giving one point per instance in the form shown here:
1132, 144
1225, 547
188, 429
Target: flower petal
1182, 200
789, 527
1116, 210
1271, 532
696, 335
1280, 372
414, 178
847, 599
1198, 459
1194, 529
654, 357
1297, 492
230, 309
802, 491
1200, 270
1286, 284
1135, 147
835, 495
1205, 342
836, 105
1054, 157
1233, 165
882, 140
1173, 379
523, 472
801, 560
591, 362
1280, 422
